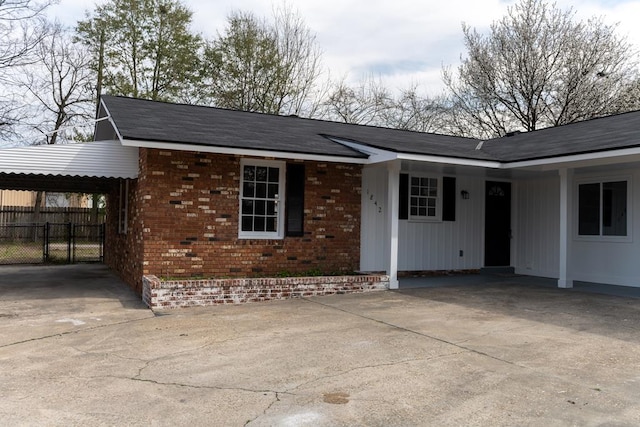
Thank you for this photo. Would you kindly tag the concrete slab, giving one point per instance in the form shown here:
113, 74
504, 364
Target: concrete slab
496, 354
37, 301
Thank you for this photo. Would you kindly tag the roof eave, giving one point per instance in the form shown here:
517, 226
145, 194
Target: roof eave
576, 160
242, 151
377, 155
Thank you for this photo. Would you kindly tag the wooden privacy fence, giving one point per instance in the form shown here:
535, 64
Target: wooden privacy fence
80, 217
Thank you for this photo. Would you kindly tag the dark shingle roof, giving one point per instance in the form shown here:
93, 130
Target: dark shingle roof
138, 119
590, 136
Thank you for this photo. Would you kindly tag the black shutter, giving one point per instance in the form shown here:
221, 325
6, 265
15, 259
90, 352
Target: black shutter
448, 198
294, 217
403, 209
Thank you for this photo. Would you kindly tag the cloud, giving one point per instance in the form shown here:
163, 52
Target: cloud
400, 40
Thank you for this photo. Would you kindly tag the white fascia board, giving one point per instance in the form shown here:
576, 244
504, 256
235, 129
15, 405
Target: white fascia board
113, 124
241, 151
450, 160
589, 158
377, 155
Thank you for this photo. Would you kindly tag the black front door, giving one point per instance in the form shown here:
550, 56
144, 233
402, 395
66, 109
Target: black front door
497, 224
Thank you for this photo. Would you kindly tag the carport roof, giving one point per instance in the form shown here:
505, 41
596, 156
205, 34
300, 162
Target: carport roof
89, 167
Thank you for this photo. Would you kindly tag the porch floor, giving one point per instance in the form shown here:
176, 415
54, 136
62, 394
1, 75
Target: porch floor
529, 281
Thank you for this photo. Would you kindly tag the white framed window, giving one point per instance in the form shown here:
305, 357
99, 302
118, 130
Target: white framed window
262, 199
425, 198
123, 206
603, 209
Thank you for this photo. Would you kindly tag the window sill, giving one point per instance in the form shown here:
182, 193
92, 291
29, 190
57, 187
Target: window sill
256, 236
604, 239
425, 220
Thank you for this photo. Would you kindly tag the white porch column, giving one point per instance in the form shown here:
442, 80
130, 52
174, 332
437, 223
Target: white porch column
393, 201
566, 178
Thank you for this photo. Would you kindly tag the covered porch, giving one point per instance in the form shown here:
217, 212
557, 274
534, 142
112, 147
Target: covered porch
569, 220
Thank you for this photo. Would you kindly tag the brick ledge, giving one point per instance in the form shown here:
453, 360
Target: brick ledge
160, 294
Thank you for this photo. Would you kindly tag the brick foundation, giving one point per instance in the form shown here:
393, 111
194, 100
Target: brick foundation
164, 294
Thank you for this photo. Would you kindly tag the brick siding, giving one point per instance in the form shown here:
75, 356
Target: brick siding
123, 251
184, 216
159, 294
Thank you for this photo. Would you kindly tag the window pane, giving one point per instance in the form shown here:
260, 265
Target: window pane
271, 223
273, 191
274, 174
431, 211
261, 173
414, 210
247, 223
589, 209
247, 207
261, 190
248, 189
250, 173
260, 207
258, 223
271, 208
614, 208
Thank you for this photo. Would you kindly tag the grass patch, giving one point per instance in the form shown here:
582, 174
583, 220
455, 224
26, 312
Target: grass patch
32, 253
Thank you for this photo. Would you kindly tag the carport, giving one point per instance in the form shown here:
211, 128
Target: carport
91, 168
81, 168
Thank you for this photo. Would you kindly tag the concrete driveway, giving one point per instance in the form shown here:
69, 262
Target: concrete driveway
84, 351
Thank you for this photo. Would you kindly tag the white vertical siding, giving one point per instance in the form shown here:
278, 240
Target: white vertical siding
422, 245
437, 245
373, 246
537, 227
610, 262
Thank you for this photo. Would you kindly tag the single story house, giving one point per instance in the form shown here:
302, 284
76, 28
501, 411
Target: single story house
198, 192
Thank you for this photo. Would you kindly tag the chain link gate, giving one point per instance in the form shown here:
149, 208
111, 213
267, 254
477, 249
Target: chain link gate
55, 243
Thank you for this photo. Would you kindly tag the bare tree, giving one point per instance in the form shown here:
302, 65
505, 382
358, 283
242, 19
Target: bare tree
367, 103
370, 102
412, 111
21, 30
61, 82
538, 67
272, 68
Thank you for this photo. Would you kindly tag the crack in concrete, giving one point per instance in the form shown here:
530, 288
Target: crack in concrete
458, 345
76, 331
411, 331
201, 387
264, 412
379, 365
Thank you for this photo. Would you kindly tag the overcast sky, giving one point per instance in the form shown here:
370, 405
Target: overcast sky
402, 41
